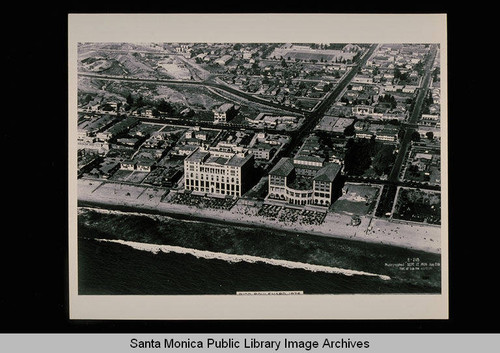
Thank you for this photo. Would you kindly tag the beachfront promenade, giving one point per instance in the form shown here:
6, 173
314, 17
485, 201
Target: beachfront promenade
149, 199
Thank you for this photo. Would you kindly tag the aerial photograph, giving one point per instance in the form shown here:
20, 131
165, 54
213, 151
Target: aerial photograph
240, 168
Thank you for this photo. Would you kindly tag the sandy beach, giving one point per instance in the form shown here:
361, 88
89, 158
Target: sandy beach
149, 199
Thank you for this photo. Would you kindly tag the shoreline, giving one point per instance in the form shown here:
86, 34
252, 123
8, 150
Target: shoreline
143, 199
198, 218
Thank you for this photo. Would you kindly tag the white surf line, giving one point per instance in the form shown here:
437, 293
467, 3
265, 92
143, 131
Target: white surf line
155, 248
156, 217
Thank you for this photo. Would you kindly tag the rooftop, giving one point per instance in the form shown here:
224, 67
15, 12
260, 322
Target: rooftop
308, 158
224, 107
216, 160
328, 173
123, 124
236, 160
283, 168
197, 156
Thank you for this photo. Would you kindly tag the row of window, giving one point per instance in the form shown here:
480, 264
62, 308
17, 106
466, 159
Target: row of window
299, 194
277, 182
308, 194
278, 189
322, 187
216, 185
301, 202
213, 191
212, 178
322, 194
212, 170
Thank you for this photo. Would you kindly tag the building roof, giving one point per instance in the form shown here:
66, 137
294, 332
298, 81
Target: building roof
238, 161
122, 125
224, 107
201, 156
96, 124
328, 173
309, 158
216, 160
262, 146
197, 156
283, 168
145, 162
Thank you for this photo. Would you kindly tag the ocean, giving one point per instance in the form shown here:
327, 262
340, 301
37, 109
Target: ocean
112, 261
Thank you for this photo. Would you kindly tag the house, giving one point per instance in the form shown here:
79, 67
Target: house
409, 89
117, 129
363, 109
185, 150
430, 120
127, 164
363, 79
263, 151
224, 60
389, 133
145, 165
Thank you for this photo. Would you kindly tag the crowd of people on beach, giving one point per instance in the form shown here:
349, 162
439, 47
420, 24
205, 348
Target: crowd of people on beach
203, 201
292, 215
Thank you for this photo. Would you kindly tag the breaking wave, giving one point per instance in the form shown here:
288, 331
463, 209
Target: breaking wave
156, 217
155, 249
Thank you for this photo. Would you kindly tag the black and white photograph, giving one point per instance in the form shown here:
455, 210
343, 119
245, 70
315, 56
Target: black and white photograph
268, 175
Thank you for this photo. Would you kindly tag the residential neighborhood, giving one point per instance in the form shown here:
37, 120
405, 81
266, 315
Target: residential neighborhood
178, 116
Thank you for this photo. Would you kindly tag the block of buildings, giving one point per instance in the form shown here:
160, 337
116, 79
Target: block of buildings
263, 151
218, 172
303, 181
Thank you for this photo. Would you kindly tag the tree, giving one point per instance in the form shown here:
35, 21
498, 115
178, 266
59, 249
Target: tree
435, 74
349, 130
164, 107
130, 100
357, 158
139, 102
87, 99
430, 135
415, 136
383, 160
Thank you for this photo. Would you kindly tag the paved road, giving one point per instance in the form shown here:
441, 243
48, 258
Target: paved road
313, 118
387, 198
413, 119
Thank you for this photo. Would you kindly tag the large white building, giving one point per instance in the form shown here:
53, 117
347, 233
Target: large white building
302, 181
218, 172
224, 113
